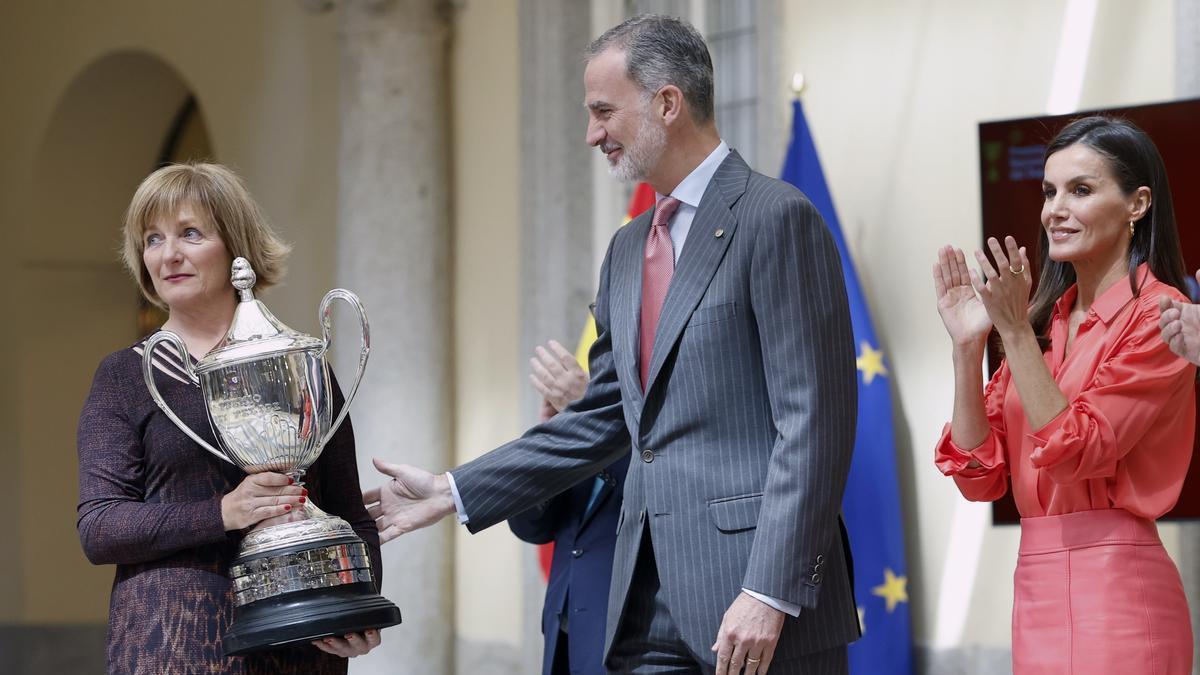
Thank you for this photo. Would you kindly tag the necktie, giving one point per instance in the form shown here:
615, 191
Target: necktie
658, 265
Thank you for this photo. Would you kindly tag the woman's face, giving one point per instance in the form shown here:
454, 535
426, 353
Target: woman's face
1085, 212
187, 261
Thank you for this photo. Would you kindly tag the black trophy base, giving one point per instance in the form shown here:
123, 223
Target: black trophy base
308, 615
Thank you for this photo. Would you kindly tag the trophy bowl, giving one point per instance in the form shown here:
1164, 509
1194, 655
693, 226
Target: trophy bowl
269, 400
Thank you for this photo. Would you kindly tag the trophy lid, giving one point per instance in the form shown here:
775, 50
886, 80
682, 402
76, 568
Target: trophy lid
255, 333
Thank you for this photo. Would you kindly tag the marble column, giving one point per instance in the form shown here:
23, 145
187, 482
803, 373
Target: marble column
393, 248
1187, 85
557, 281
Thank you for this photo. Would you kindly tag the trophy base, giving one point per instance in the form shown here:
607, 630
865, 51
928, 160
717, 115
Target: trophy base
308, 615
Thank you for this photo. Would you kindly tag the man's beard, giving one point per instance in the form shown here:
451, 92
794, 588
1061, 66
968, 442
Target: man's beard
642, 154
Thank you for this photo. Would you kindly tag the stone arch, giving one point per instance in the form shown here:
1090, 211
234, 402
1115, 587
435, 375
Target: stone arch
107, 132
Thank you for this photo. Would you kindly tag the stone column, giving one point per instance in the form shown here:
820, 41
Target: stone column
557, 282
1187, 85
393, 248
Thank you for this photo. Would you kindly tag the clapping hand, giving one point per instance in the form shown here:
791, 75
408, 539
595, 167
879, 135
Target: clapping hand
1004, 289
1180, 326
558, 377
411, 500
964, 316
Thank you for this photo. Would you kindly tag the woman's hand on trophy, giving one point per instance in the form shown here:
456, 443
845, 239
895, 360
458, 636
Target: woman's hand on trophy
411, 500
353, 644
258, 497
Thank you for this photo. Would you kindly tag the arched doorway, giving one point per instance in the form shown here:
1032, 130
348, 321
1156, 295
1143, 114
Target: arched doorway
116, 121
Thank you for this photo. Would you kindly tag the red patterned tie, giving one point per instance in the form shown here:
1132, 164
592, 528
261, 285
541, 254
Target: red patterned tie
657, 268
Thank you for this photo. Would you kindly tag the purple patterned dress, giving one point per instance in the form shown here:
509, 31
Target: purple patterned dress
150, 503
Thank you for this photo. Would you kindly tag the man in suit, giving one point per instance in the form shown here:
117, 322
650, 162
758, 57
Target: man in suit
725, 359
582, 523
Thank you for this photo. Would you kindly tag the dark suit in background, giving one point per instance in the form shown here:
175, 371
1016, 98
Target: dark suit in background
584, 539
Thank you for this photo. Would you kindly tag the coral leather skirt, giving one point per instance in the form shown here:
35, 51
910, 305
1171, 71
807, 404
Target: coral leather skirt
1096, 593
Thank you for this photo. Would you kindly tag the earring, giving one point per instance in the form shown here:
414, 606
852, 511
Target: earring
1131, 228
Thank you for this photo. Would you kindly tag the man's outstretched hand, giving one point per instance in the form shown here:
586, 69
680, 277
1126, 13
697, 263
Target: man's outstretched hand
411, 500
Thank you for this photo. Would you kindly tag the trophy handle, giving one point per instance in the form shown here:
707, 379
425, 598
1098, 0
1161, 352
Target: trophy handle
325, 315
148, 374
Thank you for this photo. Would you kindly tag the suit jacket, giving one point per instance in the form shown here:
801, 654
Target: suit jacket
584, 540
742, 439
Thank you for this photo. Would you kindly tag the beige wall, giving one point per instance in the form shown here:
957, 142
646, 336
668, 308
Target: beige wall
895, 93
488, 377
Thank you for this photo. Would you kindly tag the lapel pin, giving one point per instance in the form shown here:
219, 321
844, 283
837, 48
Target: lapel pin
719, 233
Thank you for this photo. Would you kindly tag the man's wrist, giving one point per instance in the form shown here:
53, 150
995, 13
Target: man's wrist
444, 482
776, 604
444, 497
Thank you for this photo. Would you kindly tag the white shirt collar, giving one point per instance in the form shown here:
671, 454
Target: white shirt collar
691, 189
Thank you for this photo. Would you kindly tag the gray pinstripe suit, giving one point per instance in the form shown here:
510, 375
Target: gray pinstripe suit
743, 437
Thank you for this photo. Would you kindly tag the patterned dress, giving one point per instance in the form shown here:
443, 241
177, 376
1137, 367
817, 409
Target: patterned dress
150, 503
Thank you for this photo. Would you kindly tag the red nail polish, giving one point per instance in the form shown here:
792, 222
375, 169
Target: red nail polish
287, 507
304, 491
290, 481
302, 500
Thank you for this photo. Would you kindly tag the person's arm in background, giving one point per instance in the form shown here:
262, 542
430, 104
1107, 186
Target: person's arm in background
1180, 326
558, 377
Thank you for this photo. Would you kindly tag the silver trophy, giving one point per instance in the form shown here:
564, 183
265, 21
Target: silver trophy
267, 391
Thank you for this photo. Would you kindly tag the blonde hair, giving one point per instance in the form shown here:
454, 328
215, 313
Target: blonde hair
221, 196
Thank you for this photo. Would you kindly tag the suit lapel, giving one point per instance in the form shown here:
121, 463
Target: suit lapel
701, 255
630, 267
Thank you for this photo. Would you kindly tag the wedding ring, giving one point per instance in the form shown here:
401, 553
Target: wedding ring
752, 660
1017, 272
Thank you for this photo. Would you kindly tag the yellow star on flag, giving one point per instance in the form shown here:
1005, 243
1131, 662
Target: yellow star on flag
870, 362
894, 589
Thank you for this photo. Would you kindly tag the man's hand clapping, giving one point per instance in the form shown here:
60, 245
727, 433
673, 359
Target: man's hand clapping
1180, 325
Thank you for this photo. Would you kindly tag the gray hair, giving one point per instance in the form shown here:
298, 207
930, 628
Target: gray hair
661, 50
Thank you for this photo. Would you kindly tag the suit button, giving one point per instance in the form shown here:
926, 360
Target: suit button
576, 553
816, 578
647, 456
820, 559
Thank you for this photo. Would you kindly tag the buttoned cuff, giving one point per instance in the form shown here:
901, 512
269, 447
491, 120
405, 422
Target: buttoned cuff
952, 460
784, 606
458, 505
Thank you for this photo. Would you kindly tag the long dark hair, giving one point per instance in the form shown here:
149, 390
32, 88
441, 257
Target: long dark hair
1135, 162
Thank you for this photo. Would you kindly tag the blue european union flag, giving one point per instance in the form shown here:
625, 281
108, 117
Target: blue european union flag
871, 506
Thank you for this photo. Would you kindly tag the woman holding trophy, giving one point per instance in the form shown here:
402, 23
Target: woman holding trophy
168, 514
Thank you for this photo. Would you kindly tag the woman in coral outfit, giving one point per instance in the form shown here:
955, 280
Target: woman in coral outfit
1090, 415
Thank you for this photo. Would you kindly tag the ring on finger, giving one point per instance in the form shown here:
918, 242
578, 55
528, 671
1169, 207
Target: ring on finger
750, 660
1016, 271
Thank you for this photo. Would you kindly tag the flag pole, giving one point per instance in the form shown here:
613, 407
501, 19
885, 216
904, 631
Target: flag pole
798, 83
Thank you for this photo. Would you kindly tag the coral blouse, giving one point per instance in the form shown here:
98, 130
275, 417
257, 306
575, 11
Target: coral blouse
1125, 438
